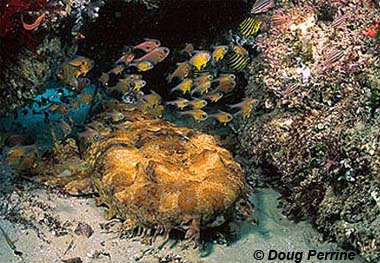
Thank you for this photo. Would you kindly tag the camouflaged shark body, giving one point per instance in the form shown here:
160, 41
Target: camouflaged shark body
154, 175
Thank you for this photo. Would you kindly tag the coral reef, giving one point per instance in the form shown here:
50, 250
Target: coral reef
314, 130
154, 175
24, 80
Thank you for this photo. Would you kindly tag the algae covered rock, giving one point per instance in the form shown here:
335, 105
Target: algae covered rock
20, 82
315, 131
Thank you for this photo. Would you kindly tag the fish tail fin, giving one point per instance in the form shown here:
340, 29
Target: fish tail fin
169, 78
214, 62
204, 96
173, 90
212, 115
74, 82
127, 49
155, 93
192, 92
182, 113
183, 51
227, 95
119, 61
237, 105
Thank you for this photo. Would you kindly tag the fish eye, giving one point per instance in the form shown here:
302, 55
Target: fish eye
96, 137
85, 166
166, 50
157, 43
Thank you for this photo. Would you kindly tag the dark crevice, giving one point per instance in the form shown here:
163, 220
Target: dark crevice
175, 23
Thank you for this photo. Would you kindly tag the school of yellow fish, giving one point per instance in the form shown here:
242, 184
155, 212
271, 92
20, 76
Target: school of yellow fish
199, 81
196, 85
197, 88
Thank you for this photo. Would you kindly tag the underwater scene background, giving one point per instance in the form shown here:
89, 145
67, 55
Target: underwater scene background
189, 131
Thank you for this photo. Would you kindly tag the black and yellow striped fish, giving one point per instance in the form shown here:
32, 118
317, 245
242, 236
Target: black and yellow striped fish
200, 72
237, 62
249, 27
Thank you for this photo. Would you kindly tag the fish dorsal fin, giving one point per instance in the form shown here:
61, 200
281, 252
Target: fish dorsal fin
181, 63
153, 40
77, 61
155, 93
195, 52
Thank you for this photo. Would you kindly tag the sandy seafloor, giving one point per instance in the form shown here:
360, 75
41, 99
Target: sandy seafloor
43, 223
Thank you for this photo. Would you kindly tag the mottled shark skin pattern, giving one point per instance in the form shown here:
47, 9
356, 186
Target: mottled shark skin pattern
156, 176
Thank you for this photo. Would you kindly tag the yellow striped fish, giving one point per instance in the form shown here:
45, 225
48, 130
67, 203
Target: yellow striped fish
249, 27
237, 62
201, 72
